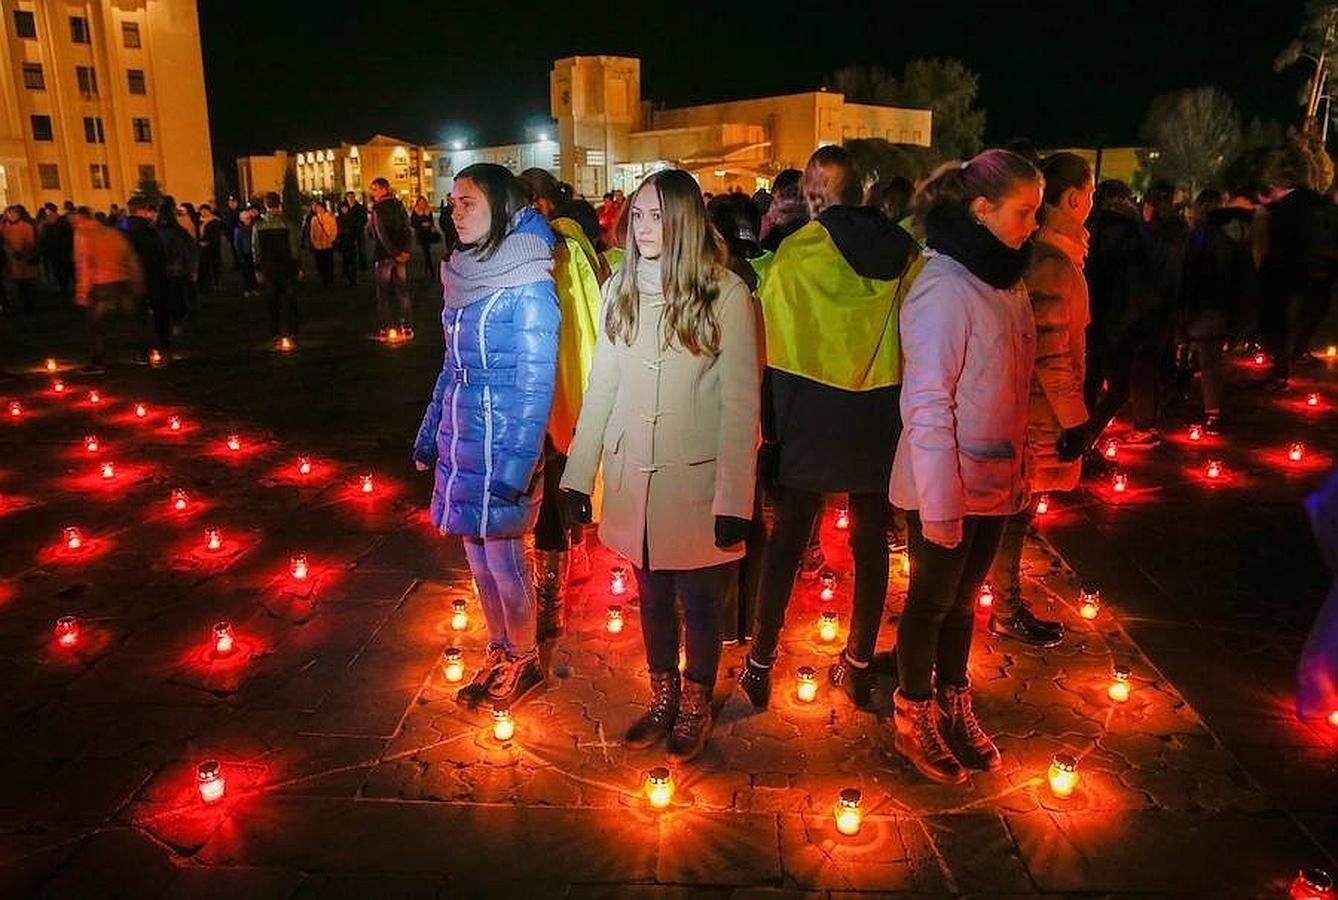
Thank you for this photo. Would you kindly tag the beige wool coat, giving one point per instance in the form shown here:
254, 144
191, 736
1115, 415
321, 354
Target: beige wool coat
677, 434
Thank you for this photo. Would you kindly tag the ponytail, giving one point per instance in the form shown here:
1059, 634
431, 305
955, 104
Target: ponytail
954, 185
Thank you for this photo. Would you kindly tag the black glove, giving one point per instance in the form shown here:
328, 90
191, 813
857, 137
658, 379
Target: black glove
1073, 442
578, 507
730, 530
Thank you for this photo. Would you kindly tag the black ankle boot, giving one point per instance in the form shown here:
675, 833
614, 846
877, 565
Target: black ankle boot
651, 728
857, 680
755, 681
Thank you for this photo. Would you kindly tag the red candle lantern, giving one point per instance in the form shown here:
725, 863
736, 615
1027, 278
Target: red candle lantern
234, 443
1042, 504
304, 465
91, 443
73, 537
1331, 352
1089, 603
806, 684
1312, 399
659, 787
224, 639
141, 410
459, 614
209, 777
213, 539
503, 725
986, 597
828, 586
298, 566
849, 816
828, 625
94, 397
67, 631
174, 423
618, 580
285, 343
1119, 482
1214, 469
842, 518
1196, 432
15, 409
1112, 448
108, 470
1119, 684
613, 621
1312, 883
156, 357
366, 483
178, 499
1260, 358
1296, 452
1063, 775
453, 664
58, 386
392, 334
50, 364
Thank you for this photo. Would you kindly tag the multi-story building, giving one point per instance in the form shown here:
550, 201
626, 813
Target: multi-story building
333, 171
98, 96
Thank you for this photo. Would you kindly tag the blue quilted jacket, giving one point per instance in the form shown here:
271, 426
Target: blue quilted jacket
484, 429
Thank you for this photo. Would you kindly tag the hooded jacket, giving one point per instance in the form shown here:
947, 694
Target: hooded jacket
483, 430
829, 302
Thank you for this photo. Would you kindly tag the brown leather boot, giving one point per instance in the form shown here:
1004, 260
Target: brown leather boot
693, 726
918, 739
550, 588
659, 718
962, 729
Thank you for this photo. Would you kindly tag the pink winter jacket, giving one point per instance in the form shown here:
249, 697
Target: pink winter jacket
969, 349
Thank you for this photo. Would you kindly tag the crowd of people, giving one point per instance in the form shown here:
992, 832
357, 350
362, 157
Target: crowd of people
670, 362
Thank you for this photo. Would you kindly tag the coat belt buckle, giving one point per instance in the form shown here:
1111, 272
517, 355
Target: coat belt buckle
462, 376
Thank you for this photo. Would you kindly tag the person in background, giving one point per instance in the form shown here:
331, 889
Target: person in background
829, 303
425, 234
969, 343
358, 216
392, 236
350, 233
108, 279
891, 197
322, 233
18, 234
276, 247
211, 250
787, 212
155, 305
1057, 432
181, 254
483, 430
559, 543
672, 414
243, 250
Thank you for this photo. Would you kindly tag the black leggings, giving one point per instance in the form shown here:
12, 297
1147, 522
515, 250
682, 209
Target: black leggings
936, 627
700, 591
796, 511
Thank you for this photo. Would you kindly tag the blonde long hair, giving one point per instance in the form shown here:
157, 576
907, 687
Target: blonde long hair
689, 275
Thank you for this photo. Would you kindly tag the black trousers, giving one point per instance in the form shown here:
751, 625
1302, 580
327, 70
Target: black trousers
796, 511
553, 531
325, 265
280, 291
700, 591
935, 630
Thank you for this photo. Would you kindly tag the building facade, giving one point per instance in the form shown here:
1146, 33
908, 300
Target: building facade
99, 96
327, 172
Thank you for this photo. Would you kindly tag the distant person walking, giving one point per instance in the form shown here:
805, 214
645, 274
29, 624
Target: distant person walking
392, 239
275, 246
322, 234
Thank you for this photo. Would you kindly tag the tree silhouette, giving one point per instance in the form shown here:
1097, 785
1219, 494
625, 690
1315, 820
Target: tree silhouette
1317, 43
1191, 134
945, 86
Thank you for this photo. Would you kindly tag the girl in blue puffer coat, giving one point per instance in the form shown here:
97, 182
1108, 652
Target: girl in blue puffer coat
484, 428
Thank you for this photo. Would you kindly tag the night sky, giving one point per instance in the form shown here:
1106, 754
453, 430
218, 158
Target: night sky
281, 75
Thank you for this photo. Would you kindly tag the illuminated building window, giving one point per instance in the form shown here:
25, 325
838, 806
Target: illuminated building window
33, 78
25, 24
41, 128
88, 80
48, 176
93, 130
79, 30
143, 133
135, 77
101, 176
130, 34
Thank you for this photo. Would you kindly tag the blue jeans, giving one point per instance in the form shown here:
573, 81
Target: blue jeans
392, 275
506, 592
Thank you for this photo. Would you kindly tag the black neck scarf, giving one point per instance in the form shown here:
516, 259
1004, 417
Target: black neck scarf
975, 246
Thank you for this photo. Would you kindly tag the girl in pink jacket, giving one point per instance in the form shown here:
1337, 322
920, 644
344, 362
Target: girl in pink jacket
969, 342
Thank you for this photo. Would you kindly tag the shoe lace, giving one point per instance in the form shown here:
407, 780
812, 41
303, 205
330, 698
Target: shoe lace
964, 714
505, 679
928, 736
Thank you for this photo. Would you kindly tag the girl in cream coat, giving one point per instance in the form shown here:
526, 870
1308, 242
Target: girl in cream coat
672, 410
